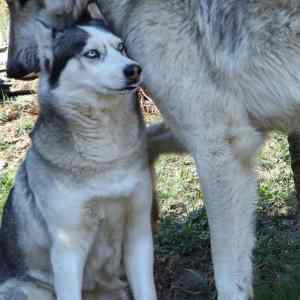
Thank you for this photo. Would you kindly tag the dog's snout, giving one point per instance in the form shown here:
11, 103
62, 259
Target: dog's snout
18, 71
133, 72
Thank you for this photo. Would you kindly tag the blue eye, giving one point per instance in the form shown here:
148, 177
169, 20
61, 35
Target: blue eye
92, 54
121, 48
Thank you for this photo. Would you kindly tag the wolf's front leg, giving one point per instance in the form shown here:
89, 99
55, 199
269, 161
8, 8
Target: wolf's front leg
138, 247
229, 187
68, 257
162, 141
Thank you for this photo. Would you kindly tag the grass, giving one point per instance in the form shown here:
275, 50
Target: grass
6, 183
16, 121
288, 288
3, 20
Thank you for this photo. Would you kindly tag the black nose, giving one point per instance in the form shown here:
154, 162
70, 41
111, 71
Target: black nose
133, 73
18, 71
15, 70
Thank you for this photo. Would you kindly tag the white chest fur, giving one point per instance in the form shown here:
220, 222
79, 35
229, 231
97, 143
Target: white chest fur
93, 213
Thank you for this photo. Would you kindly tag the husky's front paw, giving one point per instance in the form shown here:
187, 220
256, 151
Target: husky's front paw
13, 294
116, 295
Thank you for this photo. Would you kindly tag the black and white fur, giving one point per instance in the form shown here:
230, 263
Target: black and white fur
80, 209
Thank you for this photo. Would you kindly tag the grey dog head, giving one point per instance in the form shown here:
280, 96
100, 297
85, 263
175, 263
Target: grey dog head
22, 54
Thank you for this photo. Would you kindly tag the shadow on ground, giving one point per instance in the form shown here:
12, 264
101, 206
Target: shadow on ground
183, 263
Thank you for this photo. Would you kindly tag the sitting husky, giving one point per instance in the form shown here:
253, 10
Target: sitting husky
81, 205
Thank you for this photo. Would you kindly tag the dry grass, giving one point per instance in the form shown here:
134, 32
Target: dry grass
3, 22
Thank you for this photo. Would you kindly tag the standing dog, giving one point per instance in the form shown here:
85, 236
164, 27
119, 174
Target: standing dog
82, 196
223, 73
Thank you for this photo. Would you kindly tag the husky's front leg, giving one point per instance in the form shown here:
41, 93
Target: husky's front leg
229, 186
138, 247
68, 257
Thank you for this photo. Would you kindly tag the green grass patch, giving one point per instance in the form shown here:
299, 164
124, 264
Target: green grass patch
6, 183
286, 289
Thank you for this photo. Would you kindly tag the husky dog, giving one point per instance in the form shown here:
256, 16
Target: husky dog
223, 74
81, 205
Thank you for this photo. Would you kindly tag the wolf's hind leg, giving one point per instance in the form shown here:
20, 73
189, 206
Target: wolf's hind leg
229, 186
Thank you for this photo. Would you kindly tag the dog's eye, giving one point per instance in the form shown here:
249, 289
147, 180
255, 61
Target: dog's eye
92, 54
121, 48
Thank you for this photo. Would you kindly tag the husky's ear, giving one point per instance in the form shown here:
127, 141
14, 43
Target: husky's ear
45, 35
95, 12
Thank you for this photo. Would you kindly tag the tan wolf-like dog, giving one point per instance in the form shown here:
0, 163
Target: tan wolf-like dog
223, 74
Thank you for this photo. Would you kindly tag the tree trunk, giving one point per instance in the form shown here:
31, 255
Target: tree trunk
294, 147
